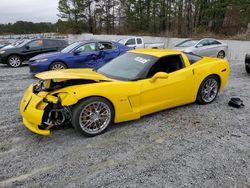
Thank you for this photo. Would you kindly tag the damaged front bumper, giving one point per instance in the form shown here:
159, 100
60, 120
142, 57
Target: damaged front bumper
42, 111
32, 116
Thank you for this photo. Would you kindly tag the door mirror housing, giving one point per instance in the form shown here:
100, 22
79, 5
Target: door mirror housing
159, 75
77, 52
27, 47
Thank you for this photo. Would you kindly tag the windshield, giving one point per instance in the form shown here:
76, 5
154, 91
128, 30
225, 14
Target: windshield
128, 66
18, 43
22, 43
122, 41
187, 43
70, 47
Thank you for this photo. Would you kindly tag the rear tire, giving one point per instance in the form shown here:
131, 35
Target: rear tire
208, 90
92, 116
221, 54
14, 61
57, 66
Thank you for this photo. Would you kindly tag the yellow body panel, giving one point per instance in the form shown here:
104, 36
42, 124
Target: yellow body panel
130, 99
72, 74
32, 116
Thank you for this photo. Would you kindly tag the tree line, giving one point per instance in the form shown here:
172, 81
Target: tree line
22, 27
172, 17
183, 18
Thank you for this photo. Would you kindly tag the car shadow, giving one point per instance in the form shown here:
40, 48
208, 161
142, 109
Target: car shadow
4, 66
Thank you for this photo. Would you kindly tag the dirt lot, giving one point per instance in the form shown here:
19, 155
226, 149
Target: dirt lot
189, 146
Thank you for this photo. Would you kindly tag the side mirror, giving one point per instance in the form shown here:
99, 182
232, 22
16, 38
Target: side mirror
77, 52
27, 47
159, 75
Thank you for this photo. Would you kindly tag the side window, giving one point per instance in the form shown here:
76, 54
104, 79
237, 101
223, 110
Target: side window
139, 41
214, 42
50, 43
203, 43
105, 46
130, 42
63, 43
90, 47
167, 64
56, 43
36, 44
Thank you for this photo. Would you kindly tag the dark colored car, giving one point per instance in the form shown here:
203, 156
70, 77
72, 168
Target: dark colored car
247, 62
83, 54
15, 55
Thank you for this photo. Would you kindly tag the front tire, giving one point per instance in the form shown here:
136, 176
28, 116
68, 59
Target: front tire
14, 61
93, 116
208, 90
57, 66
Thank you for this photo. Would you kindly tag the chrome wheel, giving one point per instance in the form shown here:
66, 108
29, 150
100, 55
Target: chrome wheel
58, 66
95, 117
14, 61
209, 90
221, 54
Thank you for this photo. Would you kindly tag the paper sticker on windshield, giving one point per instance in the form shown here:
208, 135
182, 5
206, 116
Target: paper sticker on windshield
141, 60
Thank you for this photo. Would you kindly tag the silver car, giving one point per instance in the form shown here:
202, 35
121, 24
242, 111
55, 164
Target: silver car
204, 47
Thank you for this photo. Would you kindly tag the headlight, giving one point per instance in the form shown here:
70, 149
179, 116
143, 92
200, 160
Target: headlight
41, 60
42, 85
2, 52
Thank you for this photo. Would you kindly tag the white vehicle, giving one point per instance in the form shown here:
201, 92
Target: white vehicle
137, 42
204, 47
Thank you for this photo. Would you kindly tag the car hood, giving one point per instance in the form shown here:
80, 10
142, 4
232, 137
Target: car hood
7, 47
46, 55
180, 48
68, 74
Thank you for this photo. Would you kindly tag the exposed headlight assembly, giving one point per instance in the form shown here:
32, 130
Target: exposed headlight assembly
42, 85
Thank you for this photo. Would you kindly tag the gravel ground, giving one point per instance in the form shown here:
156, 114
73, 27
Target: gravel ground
189, 146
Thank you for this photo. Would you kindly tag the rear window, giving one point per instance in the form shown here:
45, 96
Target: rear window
193, 58
139, 41
214, 42
55, 43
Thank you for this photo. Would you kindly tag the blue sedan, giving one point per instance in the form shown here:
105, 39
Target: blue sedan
84, 54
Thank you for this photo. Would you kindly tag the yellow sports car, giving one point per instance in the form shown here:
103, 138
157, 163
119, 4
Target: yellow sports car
130, 86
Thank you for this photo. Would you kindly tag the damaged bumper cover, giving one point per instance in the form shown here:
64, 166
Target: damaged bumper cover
32, 117
42, 111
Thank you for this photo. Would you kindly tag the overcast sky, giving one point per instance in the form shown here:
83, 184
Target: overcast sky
28, 10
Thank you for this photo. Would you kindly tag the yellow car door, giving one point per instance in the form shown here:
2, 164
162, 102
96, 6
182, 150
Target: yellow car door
162, 93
